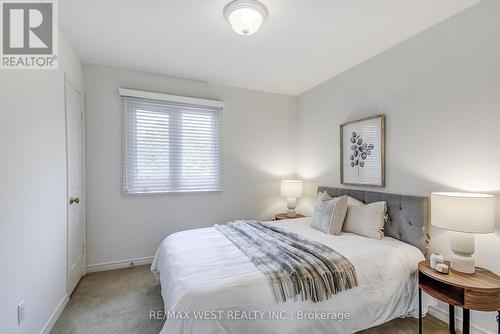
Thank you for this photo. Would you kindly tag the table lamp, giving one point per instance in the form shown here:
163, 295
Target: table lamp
291, 189
464, 214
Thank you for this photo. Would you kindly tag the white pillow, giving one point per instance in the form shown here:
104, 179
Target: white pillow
353, 201
366, 220
324, 197
329, 213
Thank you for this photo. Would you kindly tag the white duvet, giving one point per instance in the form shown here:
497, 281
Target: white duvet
209, 286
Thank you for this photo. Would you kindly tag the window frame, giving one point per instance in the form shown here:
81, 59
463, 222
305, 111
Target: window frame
128, 186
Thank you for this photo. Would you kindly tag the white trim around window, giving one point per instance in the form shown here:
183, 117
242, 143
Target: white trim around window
169, 146
170, 98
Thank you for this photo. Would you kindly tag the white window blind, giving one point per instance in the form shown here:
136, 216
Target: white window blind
170, 146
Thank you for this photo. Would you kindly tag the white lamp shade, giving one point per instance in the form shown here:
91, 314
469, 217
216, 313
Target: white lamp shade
463, 212
292, 188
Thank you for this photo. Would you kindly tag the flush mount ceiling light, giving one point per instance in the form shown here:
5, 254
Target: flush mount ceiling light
245, 16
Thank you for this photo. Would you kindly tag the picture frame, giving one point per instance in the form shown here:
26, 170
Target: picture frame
362, 152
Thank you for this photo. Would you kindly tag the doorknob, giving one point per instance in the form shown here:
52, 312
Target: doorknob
73, 200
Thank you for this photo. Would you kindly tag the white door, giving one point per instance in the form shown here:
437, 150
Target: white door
74, 146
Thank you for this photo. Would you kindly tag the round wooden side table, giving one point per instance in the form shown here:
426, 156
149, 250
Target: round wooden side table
479, 291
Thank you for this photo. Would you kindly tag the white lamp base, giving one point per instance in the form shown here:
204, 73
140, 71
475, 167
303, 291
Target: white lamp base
463, 264
462, 245
291, 203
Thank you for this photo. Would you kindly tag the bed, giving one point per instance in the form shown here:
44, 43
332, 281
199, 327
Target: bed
209, 286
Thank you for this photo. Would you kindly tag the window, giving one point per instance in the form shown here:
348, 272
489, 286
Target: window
170, 144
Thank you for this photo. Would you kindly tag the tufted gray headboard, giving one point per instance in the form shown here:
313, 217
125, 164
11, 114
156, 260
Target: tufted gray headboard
408, 215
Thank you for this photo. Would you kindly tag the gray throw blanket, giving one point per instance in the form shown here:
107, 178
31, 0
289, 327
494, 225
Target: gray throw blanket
294, 266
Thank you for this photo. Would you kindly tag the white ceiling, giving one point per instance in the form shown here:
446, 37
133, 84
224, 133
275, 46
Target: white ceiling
302, 43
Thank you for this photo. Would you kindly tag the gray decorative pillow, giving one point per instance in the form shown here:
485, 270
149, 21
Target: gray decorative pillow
329, 213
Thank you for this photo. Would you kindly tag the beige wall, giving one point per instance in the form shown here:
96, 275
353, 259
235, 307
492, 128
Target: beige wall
258, 138
440, 91
33, 191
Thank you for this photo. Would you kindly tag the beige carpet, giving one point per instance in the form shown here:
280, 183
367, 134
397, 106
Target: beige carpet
120, 301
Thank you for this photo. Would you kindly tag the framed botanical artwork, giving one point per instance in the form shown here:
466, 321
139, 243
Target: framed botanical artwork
362, 152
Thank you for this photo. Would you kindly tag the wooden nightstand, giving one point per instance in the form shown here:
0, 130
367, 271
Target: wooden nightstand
281, 216
479, 292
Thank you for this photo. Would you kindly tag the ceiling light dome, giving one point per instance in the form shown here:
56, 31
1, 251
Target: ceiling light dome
245, 16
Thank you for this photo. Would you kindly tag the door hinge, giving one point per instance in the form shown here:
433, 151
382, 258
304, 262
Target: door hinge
83, 249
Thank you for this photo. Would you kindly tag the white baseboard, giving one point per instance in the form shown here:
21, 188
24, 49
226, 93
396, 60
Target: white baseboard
55, 315
442, 315
92, 268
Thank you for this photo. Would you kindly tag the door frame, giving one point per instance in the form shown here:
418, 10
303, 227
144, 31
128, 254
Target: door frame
83, 200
